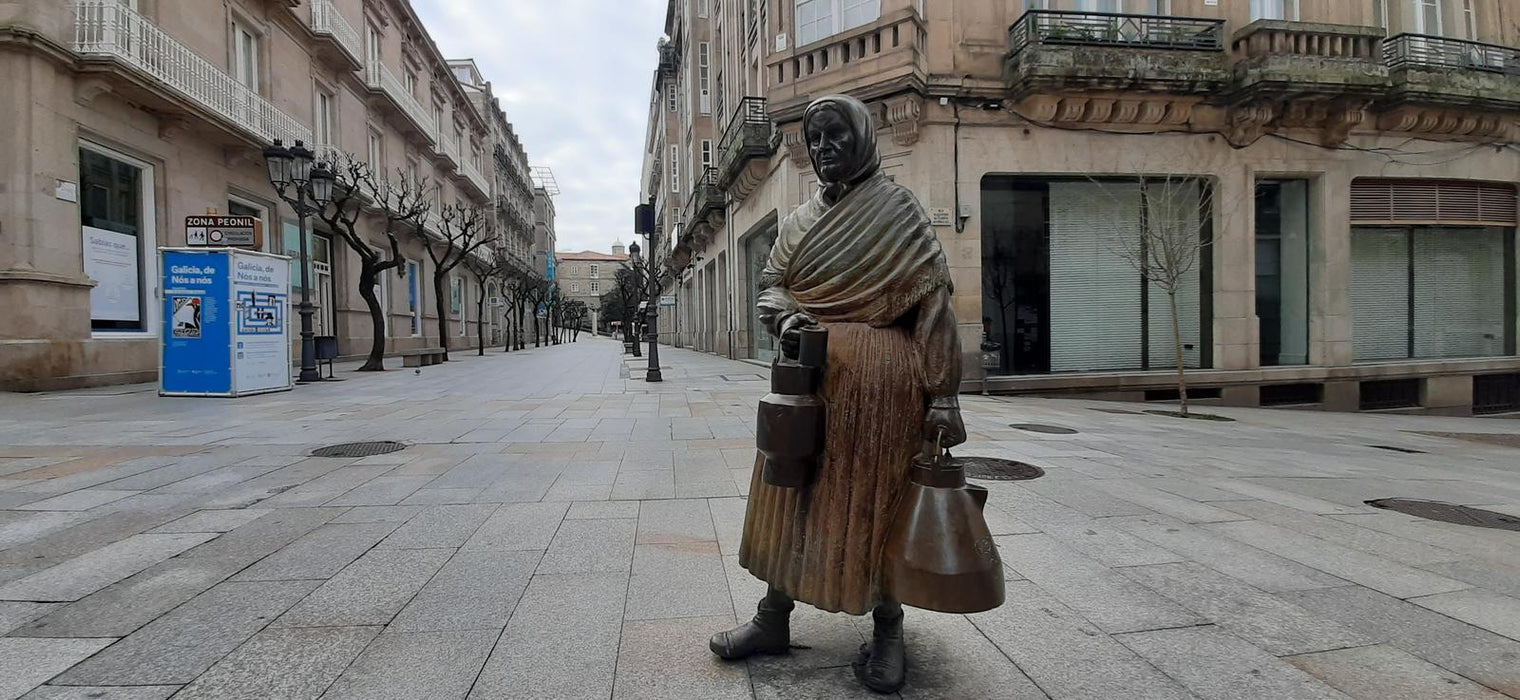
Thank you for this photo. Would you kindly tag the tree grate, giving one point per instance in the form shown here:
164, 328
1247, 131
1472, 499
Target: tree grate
995, 469
359, 449
1048, 429
1448, 513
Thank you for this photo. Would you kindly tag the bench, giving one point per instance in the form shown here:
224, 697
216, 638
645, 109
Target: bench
422, 357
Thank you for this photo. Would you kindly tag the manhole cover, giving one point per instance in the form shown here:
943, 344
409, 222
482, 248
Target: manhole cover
1405, 450
1448, 513
995, 469
358, 449
1037, 428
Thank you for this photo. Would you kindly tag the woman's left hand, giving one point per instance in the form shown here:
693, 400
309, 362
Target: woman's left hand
947, 418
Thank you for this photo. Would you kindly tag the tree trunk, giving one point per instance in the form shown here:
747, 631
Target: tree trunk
480, 321
368, 276
535, 328
440, 288
1177, 343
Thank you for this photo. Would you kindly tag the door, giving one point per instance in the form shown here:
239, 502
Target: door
1016, 274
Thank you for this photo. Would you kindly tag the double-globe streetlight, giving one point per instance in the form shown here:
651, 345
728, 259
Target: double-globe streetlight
641, 272
307, 189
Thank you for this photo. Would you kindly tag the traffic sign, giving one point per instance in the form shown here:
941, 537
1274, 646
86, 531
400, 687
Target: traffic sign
223, 231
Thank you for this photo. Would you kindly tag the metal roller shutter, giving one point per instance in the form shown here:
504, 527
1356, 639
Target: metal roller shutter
1458, 292
1380, 294
1095, 320
1178, 201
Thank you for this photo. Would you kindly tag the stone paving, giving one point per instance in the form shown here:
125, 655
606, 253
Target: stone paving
558, 530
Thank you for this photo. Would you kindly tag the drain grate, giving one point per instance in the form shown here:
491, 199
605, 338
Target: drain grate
995, 469
359, 449
1395, 448
1038, 428
1448, 513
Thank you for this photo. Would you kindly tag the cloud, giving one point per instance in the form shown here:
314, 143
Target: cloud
573, 77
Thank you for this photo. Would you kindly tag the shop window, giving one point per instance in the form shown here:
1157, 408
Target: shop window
1282, 271
116, 216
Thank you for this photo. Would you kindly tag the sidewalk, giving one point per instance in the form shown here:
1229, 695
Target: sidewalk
558, 528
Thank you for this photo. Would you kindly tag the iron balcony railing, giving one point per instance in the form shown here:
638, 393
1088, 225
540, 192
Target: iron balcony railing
326, 20
1419, 50
108, 28
668, 59
1058, 27
379, 77
747, 136
706, 195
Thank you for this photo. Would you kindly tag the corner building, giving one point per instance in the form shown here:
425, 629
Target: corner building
1348, 170
129, 115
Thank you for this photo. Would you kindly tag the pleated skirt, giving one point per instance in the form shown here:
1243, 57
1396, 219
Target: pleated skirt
822, 544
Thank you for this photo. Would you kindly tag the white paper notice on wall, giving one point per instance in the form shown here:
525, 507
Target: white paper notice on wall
940, 216
66, 191
781, 41
1211, 3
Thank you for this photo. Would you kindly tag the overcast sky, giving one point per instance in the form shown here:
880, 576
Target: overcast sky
573, 77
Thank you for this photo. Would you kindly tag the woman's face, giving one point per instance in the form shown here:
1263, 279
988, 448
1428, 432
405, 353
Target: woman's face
830, 142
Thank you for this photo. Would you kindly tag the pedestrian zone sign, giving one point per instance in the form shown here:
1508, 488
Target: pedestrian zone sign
223, 231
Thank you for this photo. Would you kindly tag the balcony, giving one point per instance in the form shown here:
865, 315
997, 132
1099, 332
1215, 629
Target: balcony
380, 79
882, 58
147, 65
1275, 58
473, 176
745, 148
705, 210
344, 42
670, 59
1443, 72
1052, 50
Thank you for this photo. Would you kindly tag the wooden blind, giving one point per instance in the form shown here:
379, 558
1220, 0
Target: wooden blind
1467, 202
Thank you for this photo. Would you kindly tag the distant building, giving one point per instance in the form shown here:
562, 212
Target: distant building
588, 275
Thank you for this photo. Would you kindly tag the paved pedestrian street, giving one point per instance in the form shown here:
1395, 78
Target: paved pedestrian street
556, 529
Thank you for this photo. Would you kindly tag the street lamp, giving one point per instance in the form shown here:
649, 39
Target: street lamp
307, 189
651, 327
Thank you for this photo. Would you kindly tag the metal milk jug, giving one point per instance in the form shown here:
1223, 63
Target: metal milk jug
789, 430
939, 553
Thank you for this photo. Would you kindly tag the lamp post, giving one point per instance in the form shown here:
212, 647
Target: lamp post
307, 190
642, 271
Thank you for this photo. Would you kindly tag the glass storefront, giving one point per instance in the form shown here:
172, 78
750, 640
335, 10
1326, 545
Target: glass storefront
114, 226
757, 249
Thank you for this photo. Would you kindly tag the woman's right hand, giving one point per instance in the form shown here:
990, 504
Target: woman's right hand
790, 336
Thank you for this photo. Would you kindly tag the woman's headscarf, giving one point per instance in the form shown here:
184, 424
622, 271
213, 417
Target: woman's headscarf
863, 160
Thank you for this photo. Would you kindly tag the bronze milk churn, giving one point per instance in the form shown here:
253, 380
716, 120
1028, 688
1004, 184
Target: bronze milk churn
939, 552
789, 431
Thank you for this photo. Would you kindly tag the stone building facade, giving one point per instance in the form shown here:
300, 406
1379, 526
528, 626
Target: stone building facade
132, 114
587, 275
1346, 170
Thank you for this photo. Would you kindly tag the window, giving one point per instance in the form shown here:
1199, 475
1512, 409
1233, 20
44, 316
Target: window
670, 96
1470, 17
411, 82
325, 115
704, 78
372, 44
596, 270
116, 213
377, 153
1429, 291
414, 296
245, 56
817, 19
594, 286
706, 153
1274, 9
1427, 17
438, 120
575, 287
1282, 271
413, 175
1380, 13
675, 168
242, 207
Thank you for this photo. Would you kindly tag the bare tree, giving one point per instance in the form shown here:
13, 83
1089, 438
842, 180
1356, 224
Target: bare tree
487, 270
1168, 245
401, 204
534, 293
462, 229
998, 278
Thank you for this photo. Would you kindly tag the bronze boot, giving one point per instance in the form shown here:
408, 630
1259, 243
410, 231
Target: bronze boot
883, 663
769, 632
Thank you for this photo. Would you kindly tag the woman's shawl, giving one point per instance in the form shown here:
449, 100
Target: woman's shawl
868, 258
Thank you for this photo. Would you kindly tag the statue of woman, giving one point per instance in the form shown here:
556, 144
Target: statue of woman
861, 260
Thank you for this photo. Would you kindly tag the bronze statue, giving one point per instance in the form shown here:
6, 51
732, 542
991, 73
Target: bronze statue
860, 260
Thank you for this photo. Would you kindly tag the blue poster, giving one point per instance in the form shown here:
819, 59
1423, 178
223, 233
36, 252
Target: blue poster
197, 334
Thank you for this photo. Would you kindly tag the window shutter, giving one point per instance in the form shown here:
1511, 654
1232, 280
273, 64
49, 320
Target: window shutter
1468, 202
1459, 292
1380, 294
1094, 292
